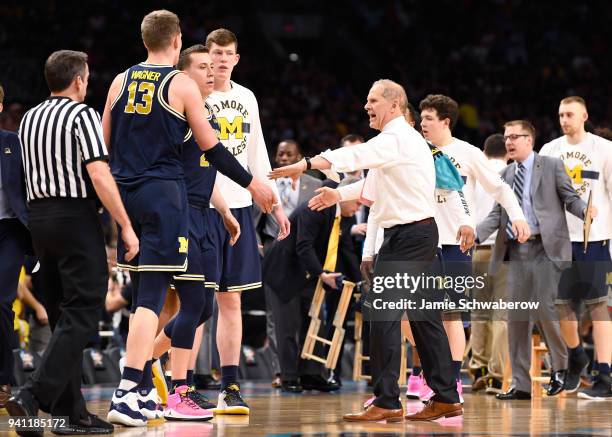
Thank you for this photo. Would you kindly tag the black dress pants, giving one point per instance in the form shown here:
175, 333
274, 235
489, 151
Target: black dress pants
290, 314
69, 242
13, 244
410, 242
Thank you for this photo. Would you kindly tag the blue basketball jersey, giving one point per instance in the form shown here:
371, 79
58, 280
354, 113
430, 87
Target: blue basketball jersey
146, 132
200, 174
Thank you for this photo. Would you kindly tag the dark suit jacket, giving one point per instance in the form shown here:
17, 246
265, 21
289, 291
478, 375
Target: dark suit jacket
291, 264
266, 225
552, 192
13, 180
13, 183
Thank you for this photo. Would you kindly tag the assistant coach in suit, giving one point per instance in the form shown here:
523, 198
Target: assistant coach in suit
288, 152
291, 269
544, 191
14, 243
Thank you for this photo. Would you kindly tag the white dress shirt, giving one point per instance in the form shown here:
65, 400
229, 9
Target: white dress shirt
406, 178
289, 197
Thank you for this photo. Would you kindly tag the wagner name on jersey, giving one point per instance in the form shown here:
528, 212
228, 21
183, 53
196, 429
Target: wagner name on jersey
146, 132
589, 165
237, 116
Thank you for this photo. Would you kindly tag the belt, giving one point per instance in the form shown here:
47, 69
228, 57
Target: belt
535, 237
425, 221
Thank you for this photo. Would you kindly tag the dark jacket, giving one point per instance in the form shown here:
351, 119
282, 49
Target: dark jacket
291, 264
13, 182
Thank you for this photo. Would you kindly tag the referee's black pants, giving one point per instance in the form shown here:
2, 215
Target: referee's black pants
69, 242
13, 244
410, 242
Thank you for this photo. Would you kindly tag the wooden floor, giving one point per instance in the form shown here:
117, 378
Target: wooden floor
311, 413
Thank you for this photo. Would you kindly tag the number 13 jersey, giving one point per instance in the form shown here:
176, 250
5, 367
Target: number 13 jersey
147, 134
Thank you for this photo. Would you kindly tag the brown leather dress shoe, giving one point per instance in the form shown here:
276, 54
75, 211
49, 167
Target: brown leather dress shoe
276, 382
5, 394
434, 410
376, 414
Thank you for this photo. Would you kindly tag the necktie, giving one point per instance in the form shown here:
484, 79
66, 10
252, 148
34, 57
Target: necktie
519, 182
285, 192
332, 246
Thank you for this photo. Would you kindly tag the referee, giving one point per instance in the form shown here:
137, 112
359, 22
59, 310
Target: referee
64, 158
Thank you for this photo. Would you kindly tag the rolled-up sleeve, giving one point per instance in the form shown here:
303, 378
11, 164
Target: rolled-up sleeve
351, 191
380, 150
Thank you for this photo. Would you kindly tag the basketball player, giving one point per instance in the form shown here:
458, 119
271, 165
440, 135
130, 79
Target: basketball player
145, 121
588, 161
184, 331
237, 113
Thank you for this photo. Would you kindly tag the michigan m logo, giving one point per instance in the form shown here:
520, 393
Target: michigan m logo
575, 173
203, 161
183, 244
226, 128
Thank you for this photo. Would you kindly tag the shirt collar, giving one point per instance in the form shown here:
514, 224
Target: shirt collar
528, 163
393, 123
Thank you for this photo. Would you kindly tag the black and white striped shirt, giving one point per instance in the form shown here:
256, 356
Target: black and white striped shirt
58, 137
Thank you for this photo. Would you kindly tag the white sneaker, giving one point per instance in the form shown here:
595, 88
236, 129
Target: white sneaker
125, 410
150, 404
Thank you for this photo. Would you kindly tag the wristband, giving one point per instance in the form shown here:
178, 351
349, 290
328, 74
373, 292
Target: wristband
308, 164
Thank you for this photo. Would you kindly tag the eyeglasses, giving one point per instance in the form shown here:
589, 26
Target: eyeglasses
514, 137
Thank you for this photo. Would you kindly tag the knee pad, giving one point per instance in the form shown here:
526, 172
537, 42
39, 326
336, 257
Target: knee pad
169, 327
191, 295
151, 291
207, 309
135, 281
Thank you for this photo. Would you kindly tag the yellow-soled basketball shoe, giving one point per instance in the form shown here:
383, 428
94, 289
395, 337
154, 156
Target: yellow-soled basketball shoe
231, 402
159, 381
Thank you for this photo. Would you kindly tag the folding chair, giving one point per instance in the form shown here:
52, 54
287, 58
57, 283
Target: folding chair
312, 337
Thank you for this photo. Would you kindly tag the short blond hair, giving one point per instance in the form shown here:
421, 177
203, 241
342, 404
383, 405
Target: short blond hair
158, 28
574, 99
222, 37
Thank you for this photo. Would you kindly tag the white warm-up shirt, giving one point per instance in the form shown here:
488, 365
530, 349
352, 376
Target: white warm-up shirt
589, 165
474, 166
484, 201
237, 114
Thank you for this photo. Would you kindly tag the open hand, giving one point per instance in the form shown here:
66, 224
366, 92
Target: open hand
325, 198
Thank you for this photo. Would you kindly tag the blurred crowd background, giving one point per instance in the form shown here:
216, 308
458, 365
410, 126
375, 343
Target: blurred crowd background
310, 63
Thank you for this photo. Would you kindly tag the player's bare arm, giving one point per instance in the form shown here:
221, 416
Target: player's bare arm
113, 92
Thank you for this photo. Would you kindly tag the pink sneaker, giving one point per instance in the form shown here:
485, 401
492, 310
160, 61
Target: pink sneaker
181, 407
414, 386
425, 394
367, 403
460, 390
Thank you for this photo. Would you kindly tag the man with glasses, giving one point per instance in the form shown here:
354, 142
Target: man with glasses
544, 191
